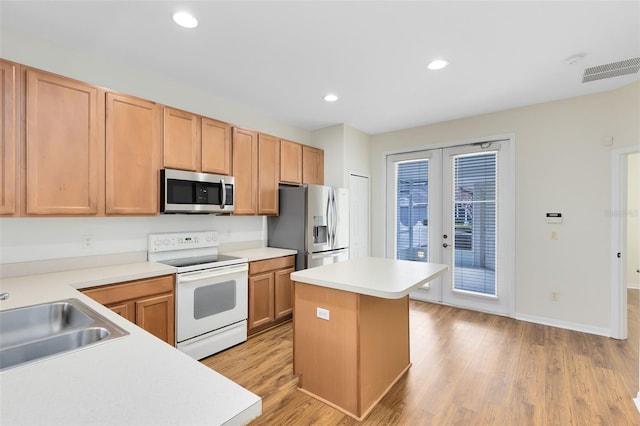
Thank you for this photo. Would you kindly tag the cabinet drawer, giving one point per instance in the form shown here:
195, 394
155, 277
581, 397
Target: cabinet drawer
115, 293
270, 264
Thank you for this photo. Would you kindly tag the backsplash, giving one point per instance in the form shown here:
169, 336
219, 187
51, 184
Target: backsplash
29, 239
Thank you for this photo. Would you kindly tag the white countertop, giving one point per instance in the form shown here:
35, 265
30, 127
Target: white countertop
133, 380
386, 278
262, 253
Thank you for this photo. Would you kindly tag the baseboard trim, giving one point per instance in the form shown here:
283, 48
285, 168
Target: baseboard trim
564, 324
634, 286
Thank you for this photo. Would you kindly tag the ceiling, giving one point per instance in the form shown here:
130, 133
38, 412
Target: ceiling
281, 58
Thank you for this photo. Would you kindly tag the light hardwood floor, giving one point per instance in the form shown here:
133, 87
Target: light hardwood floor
469, 368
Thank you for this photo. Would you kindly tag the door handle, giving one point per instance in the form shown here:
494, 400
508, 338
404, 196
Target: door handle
224, 193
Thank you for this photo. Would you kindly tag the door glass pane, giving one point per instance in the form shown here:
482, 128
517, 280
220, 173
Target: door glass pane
412, 225
474, 218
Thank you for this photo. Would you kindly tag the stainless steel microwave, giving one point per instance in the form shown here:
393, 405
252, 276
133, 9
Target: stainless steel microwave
190, 192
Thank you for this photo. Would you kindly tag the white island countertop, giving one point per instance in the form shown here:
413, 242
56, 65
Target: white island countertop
133, 380
373, 276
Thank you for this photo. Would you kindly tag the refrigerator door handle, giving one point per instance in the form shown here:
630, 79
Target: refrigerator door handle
334, 221
328, 213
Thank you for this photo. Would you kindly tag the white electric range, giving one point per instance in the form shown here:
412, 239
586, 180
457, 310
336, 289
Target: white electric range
211, 291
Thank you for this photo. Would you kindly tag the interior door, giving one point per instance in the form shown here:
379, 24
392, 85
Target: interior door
455, 206
358, 216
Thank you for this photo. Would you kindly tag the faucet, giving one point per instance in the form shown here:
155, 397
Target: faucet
4, 296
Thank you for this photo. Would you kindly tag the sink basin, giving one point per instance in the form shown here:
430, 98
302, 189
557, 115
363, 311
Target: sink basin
36, 332
26, 324
38, 349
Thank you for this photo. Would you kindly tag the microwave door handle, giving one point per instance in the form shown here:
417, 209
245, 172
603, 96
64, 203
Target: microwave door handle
223, 189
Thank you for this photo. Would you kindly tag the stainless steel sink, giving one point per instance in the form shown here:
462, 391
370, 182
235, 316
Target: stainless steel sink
35, 332
26, 324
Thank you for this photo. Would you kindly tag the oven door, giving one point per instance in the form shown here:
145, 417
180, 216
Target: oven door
210, 299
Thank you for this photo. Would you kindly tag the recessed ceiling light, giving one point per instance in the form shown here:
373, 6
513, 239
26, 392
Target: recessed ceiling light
185, 19
438, 64
330, 97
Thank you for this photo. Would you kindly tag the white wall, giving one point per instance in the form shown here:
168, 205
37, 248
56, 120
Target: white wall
27, 239
331, 140
346, 149
357, 152
561, 166
633, 220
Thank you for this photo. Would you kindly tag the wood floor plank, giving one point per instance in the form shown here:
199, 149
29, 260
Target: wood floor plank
469, 368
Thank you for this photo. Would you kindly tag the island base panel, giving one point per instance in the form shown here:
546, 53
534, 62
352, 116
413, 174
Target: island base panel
351, 360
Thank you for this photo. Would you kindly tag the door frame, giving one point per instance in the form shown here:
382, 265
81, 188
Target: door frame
619, 326
509, 244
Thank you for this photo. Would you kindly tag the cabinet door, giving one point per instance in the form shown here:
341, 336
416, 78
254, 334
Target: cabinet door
181, 140
268, 170
245, 170
8, 133
133, 142
290, 162
157, 316
216, 147
125, 310
283, 292
261, 304
64, 146
312, 165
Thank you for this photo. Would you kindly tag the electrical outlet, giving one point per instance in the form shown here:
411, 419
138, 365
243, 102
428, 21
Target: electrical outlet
322, 313
555, 296
87, 241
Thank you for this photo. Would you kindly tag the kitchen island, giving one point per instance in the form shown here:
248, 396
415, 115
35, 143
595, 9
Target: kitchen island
351, 329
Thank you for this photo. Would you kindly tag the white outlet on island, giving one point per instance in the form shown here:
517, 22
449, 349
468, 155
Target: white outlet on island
322, 313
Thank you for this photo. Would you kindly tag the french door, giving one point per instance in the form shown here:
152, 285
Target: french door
455, 206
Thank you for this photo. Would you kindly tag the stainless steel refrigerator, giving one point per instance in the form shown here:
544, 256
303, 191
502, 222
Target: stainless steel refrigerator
314, 219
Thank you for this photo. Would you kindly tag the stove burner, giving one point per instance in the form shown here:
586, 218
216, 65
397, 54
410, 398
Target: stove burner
198, 260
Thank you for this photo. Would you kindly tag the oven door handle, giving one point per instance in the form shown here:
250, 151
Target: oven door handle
188, 277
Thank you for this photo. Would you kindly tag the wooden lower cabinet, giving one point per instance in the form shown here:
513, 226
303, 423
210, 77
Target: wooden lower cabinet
270, 293
149, 303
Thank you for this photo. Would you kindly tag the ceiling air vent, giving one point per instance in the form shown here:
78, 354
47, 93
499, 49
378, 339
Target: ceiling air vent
614, 69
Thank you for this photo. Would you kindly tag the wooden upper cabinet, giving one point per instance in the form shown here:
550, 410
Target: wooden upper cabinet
181, 140
245, 170
216, 146
64, 146
290, 162
268, 172
312, 165
9, 134
133, 147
